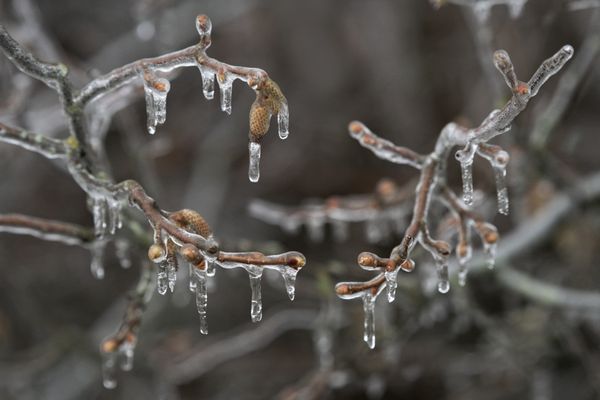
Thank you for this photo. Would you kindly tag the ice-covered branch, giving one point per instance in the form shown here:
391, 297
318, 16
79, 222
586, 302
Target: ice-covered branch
48, 147
269, 100
182, 233
482, 8
117, 350
56, 231
382, 212
432, 184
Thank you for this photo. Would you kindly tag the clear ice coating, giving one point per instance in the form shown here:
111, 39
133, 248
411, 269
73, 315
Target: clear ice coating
208, 82
226, 89
391, 279
156, 102
369, 323
256, 301
501, 190
201, 298
283, 121
254, 163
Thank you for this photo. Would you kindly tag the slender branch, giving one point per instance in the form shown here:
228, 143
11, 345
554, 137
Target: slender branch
46, 229
48, 147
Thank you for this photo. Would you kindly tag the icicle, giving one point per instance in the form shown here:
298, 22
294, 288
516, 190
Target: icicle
254, 166
515, 7
109, 361
465, 157
256, 302
122, 253
171, 273
156, 90
283, 121
374, 230
99, 213
289, 278
315, 228
391, 279
290, 225
161, 278
340, 230
201, 299
463, 259
226, 88
126, 355
192, 279
369, 324
97, 263
490, 251
501, 190
442, 274
208, 82
482, 10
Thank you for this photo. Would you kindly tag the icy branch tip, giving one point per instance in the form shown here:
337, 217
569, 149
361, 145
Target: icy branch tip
203, 25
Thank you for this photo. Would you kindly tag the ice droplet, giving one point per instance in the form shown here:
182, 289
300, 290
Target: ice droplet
208, 82
109, 361
254, 166
256, 302
391, 278
369, 323
501, 190
226, 89
283, 121
201, 299
442, 274
155, 91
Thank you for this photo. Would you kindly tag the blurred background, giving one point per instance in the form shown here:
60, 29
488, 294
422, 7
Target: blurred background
405, 69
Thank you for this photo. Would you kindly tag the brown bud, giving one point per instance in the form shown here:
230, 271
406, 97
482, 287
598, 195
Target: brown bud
109, 346
407, 265
155, 252
342, 289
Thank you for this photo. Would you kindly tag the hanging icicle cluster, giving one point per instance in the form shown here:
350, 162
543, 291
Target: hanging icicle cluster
269, 101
